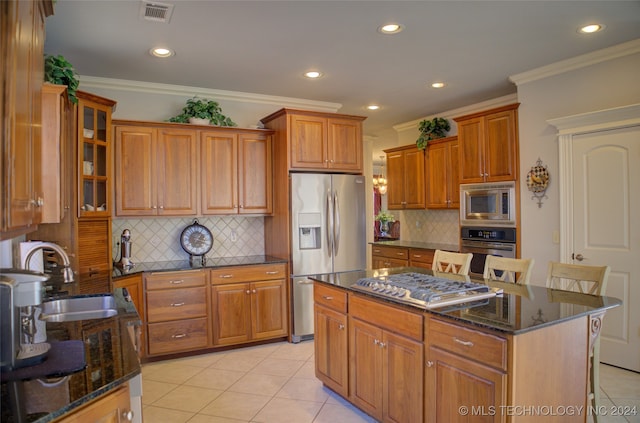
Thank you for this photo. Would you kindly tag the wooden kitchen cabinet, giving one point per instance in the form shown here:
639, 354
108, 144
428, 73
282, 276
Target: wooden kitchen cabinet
419, 257
22, 34
176, 311
464, 367
383, 256
319, 141
58, 134
386, 361
94, 155
156, 171
488, 145
112, 407
443, 186
237, 175
249, 303
133, 285
405, 178
331, 338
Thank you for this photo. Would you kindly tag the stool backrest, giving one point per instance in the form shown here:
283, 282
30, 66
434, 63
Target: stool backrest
508, 269
448, 262
578, 278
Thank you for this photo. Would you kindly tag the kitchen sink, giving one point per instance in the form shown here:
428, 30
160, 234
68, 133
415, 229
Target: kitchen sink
79, 308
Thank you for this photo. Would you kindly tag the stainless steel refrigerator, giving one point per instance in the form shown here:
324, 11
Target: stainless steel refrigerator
329, 235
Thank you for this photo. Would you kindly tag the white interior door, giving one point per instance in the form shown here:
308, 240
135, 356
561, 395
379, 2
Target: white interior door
606, 230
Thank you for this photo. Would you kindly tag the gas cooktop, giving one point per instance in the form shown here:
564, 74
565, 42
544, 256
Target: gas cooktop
424, 290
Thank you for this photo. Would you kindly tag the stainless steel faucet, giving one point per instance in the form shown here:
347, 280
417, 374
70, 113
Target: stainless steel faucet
67, 272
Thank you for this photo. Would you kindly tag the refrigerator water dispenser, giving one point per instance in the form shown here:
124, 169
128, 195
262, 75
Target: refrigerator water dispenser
309, 225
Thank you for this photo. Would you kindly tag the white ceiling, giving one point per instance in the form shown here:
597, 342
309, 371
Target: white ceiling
264, 47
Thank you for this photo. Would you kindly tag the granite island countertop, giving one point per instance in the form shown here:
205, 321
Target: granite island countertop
110, 356
418, 244
520, 308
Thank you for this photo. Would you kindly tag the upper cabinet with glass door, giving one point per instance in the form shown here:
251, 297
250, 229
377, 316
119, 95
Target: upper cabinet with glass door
94, 155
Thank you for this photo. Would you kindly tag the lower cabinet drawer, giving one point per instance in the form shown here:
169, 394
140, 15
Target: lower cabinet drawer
173, 304
177, 336
259, 272
479, 346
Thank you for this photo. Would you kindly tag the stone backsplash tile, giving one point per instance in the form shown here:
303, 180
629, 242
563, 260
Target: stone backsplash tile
437, 226
158, 239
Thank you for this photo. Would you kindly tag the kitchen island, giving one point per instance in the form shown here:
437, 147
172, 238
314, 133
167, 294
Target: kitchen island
105, 377
520, 356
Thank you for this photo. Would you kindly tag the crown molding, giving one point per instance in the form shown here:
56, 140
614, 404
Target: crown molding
182, 90
472, 108
617, 117
588, 59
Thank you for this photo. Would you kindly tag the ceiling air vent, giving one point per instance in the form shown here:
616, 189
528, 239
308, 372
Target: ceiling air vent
156, 12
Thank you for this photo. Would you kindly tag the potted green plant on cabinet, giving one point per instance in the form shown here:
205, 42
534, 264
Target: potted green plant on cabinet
431, 130
57, 70
202, 111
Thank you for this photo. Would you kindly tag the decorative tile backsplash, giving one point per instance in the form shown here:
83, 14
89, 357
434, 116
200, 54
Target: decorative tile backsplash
158, 239
437, 226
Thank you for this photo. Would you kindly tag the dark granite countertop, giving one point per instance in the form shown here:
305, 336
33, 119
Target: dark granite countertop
418, 244
519, 309
168, 266
111, 360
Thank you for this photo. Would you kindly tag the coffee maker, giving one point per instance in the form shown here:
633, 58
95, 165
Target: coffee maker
21, 292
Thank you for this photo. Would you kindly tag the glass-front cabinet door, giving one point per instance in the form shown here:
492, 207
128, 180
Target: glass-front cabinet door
94, 152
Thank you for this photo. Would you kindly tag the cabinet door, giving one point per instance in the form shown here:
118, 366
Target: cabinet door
454, 175
219, 167
365, 360
268, 309
414, 182
94, 246
255, 176
437, 168
402, 379
395, 180
135, 168
452, 382
177, 172
344, 146
231, 306
471, 150
501, 146
331, 354
308, 142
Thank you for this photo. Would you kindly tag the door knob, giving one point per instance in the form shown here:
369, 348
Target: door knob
578, 257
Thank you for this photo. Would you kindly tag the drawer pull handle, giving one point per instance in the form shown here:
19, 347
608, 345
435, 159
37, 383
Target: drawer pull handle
465, 343
327, 297
180, 335
225, 276
399, 254
177, 304
376, 251
177, 282
273, 272
417, 255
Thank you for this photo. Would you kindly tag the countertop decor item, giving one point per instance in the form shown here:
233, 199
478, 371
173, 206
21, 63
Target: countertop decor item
196, 240
431, 130
57, 70
384, 217
202, 111
538, 181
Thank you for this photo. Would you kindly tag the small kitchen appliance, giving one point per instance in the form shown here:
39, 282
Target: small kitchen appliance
125, 250
490, 203
20, 293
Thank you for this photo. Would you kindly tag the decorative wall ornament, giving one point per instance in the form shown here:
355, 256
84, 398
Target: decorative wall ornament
538, 181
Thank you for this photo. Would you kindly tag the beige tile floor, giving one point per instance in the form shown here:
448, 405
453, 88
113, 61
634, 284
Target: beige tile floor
275, 383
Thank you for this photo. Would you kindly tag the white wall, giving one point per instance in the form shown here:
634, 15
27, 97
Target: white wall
546, 95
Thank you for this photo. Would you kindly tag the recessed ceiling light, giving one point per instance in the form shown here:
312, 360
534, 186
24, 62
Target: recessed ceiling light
591, 28
437, 84
313, 74
161, 52
373, 107
390, 28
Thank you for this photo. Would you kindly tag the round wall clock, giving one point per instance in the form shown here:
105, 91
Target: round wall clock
196, 240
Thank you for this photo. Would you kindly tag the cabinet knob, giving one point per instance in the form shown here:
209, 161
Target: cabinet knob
161, 207
341, 326
153, 207
254, 291
429, 363
376, 342
127, 415
382, 345
248, 292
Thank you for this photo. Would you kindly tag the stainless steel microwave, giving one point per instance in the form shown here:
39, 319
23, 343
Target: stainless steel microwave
491, 203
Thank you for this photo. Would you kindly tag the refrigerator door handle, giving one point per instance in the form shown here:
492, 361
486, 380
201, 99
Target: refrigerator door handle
329, 215
336, 223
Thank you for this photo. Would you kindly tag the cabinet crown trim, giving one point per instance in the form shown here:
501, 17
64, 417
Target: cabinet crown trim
513, 106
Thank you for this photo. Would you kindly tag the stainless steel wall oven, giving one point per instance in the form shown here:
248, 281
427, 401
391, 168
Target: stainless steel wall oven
484, 241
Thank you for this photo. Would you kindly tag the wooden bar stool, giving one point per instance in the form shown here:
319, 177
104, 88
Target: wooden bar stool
508, 269
585, 280
448, 262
